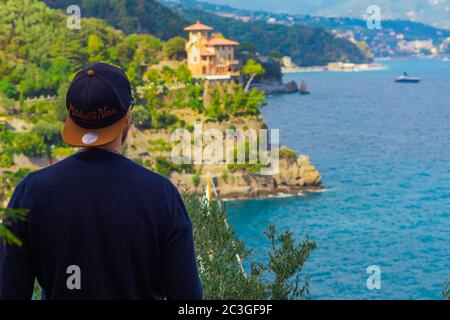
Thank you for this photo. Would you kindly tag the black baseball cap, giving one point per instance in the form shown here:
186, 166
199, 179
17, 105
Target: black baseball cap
98, 101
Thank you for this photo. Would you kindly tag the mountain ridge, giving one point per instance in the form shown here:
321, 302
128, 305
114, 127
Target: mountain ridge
433, 12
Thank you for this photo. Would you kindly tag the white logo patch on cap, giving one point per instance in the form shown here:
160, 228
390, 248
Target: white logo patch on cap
90, 138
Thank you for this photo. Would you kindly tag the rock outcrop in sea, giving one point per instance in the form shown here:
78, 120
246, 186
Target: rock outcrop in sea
277, 87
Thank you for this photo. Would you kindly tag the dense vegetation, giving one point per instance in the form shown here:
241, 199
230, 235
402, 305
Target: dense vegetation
222, 259
38, 53
307, 46
132, 16
10, 215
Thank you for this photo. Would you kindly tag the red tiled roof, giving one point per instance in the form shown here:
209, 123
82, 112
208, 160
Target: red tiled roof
198, 26
221, 42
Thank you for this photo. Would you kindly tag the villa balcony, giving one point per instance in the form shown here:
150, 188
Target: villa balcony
233, 62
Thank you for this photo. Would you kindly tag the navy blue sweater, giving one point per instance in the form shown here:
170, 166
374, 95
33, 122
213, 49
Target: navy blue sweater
100, 227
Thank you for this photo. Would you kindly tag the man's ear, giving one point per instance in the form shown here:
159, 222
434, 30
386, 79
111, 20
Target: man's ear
128, 117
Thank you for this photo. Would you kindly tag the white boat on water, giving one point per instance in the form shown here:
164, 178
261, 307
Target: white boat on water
405, 78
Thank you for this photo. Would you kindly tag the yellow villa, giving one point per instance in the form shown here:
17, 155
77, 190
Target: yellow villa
210, 57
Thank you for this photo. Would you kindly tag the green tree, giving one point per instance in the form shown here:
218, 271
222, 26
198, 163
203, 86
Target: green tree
175, 48
195, 96
163, 120
9, 180
153, 76
246, 49
7, 88
183, 74
59, 104
7, 103
141, 117
50, 132
252, 69
221, 258
95, 48
30, 144
275, 55
8, 216
152, 98
215, 111
168, 75
253, 102
6, 159
196, 178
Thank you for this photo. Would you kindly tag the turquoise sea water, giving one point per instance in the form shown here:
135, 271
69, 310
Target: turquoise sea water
384, 154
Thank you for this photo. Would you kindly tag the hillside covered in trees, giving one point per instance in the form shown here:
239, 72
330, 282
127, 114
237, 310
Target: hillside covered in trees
132, 16
306, 46
38, 53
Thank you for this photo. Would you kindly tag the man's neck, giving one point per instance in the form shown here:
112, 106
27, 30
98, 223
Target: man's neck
109, 149
100, 148
115, 147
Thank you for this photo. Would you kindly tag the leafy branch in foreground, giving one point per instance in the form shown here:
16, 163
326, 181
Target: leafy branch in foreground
9, 215
221, 256
286, 261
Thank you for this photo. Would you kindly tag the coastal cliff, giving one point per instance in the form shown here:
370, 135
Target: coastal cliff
295, 175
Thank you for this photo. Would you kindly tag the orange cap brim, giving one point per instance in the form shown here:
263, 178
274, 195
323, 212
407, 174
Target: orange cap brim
77, 136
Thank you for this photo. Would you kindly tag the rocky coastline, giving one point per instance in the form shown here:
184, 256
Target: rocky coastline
294, 178
270, 88
296, 174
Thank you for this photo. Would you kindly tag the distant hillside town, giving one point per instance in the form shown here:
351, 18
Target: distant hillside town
396, 38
